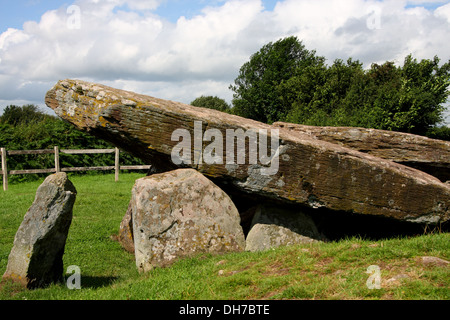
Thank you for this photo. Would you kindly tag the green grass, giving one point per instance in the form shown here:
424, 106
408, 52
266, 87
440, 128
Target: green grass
324, 271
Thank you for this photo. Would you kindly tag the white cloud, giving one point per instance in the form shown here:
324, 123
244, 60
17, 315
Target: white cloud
11, 37
371, 31
443, 12
124, 44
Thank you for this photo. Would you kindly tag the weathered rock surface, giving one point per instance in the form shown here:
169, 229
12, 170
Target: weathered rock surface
36, 257
310, 172
274, 227
428, 155
125, 237
181, 213
434, 261
269, 236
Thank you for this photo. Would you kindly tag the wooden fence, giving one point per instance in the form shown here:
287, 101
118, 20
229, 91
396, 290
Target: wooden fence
56, 151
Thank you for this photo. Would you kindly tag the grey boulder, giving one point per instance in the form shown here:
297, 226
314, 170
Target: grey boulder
179, 214
36, 257
275, 227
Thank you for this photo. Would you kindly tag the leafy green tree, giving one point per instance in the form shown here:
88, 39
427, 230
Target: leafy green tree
439, 132
326, 90
408, 99
211, 102
423, 91
370, 96
299, 94
15, 115
284, 81
255, 95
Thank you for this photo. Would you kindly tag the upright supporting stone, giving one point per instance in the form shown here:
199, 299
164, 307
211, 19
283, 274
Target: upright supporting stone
273, 227
180, 214
36, 258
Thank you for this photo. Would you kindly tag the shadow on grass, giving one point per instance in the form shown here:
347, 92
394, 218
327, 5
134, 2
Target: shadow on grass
88, 282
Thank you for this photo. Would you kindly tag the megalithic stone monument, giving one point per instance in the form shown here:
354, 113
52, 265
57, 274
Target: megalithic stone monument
298, 169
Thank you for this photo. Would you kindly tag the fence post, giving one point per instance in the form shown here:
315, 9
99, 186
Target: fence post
117, 165
57, 167
4, 169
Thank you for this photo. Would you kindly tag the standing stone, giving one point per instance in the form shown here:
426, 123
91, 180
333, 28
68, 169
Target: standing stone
36, 257
274, 227
179, 214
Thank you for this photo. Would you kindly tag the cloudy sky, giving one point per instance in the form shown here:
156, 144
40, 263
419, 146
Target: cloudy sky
180, 50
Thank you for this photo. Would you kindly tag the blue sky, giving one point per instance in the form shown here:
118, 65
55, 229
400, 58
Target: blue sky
429, 5
173, 9
14, 13
144, 46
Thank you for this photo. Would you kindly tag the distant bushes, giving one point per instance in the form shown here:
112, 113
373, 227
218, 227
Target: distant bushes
28, 128
211, 102
442, 133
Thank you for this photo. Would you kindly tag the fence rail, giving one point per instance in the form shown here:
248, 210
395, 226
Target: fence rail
56, 151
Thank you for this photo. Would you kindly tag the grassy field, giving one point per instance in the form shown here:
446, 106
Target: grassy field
326, 271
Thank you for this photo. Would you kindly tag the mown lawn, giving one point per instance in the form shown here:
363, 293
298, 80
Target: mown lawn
325, 271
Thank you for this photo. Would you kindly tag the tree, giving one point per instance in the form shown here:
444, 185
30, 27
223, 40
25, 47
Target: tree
423, 91
319, 93
211, 102
284, 81
15, 115
408, 98
255, 95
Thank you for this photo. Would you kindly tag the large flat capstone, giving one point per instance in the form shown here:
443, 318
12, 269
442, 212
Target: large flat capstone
428, 155
274, 163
